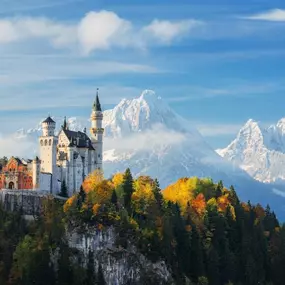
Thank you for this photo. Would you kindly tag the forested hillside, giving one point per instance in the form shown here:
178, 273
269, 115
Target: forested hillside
201, 230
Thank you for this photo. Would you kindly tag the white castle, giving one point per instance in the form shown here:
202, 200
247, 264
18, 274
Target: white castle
69, 156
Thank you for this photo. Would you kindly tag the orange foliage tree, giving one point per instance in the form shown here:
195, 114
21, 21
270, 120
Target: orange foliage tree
92, 180
199, 204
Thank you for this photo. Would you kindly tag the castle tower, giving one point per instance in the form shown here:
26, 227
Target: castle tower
48, 143
36, 164
97, 131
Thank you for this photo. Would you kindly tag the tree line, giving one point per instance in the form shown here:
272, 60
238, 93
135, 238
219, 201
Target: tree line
201, 229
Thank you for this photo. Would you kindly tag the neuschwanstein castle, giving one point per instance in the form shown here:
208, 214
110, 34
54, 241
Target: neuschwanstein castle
69, 156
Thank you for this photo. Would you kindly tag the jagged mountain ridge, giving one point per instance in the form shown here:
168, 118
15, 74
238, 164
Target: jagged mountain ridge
260, 151
146, 135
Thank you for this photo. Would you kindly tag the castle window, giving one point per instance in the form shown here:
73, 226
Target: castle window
42, 143
49, 142
45, 142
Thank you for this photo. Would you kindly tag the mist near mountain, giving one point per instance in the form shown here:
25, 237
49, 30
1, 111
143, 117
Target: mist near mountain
148, 136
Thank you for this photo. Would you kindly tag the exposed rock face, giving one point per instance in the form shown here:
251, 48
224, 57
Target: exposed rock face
120, 266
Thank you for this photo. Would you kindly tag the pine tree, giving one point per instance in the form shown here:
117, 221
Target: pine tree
81, 197
114, 198
63, 190
128, 189
157, 193
233, 196
219, 189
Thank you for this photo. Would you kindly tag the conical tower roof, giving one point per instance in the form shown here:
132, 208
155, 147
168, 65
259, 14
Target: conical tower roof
97, 105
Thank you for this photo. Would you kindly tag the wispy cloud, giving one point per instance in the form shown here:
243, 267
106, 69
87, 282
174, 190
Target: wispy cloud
167, 31
12, 6
239, 89
275, 15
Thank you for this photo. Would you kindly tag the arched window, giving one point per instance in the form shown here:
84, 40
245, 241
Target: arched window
42, 143
50, 142
45, 142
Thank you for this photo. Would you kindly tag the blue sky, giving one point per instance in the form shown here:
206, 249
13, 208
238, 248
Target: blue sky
217, 64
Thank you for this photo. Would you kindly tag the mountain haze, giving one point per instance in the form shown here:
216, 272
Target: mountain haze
148, 136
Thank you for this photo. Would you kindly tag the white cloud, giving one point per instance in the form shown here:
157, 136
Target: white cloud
19, 29
153, 139
275, 15
100, 30
95, 31
11, 146
167, 31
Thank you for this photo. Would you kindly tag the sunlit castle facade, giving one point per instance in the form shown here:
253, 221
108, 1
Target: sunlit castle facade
69, 156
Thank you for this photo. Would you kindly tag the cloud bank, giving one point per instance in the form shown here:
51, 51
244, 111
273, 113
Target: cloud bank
11, 146
95, 31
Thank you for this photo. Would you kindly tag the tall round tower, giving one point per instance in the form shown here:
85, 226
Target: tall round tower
48, 144
97, 130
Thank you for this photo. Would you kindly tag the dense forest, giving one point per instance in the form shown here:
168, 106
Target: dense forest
200, 229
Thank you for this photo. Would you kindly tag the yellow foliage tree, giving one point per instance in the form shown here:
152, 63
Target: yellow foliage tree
93, 179
143, 195
182, 191
118, 179
101, 193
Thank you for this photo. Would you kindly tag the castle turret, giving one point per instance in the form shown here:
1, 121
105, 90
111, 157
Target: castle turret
48, 143
36, 164
48, 127
97, 131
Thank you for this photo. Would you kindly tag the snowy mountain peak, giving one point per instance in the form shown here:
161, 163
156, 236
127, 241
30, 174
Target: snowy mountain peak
141, 114
281, 125
148, 95
259, 150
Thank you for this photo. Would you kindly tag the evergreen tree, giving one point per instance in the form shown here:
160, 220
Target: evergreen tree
219, 189
63, 190
233, 196
128, 189
114, 198
157, 193
81, 197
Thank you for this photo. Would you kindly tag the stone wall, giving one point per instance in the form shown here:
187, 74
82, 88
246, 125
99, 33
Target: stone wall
28, 201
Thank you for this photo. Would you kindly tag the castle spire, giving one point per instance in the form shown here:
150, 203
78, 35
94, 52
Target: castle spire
64, 126
97, 105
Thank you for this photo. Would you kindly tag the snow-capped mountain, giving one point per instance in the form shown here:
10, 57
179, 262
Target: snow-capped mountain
146, 135
260, 151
